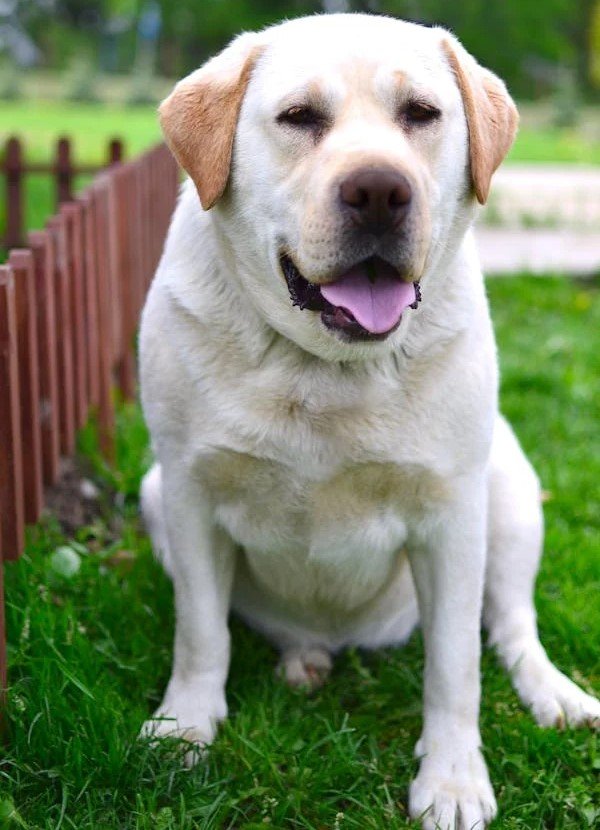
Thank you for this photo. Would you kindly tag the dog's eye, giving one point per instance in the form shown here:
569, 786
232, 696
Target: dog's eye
302, 116
417, 112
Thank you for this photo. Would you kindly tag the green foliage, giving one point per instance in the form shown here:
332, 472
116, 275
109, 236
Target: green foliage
90, 649
523, 40
506, 35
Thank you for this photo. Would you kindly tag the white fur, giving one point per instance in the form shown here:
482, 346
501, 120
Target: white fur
335, 493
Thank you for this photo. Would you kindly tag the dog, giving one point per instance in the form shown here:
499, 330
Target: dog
319, 376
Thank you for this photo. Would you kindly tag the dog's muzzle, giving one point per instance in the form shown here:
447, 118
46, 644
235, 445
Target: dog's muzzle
364, 303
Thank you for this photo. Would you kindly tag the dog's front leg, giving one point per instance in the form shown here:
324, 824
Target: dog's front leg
201, 564
452, 790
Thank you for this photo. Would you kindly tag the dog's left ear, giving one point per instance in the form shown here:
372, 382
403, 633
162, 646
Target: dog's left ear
200, 116
492, 116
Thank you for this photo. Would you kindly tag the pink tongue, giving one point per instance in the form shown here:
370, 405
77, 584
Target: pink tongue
373, 294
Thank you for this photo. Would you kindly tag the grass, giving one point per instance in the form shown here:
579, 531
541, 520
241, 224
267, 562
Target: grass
540, 140
40, 123
90, 649
551, 145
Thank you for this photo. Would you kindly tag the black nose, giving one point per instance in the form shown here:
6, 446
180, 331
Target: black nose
377, 199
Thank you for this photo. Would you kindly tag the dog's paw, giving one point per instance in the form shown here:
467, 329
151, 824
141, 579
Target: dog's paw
188, 714
308, 668
451, 793
559, 702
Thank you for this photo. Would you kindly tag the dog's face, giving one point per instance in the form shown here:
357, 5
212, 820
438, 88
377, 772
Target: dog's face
353, 148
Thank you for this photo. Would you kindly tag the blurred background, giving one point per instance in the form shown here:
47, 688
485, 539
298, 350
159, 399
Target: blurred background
540, 48
94, 69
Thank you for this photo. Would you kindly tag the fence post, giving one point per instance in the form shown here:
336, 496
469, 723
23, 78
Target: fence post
22, 264
11, 472
13, 164
115, 151
64, 171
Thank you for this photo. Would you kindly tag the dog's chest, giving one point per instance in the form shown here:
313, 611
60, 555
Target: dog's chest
318, 492
331, 537
309, 537
260, 499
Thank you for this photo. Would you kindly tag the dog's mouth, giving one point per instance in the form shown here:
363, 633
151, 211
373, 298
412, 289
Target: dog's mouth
364, 303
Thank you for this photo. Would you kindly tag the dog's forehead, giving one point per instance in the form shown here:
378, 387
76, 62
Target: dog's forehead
339, 54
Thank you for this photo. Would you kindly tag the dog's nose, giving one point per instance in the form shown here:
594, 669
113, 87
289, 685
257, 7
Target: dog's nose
376, 198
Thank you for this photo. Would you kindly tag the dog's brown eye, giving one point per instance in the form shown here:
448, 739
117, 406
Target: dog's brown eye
416, 112
301, 116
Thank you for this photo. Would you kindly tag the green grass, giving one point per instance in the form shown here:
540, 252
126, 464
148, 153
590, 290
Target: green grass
538, 140
90, 654
40, 123
554, 146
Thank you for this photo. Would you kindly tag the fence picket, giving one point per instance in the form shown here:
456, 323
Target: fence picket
2, 637
113, 273
13, 165
106, 414
138, 276
91, 301
62, 279
11, 469
125, 229
73, 219
64, 171
42, 249
22, 265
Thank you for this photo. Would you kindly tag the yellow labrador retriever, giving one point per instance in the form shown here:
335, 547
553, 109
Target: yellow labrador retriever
319, 377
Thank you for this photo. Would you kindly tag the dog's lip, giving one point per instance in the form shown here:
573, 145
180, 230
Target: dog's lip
308, 296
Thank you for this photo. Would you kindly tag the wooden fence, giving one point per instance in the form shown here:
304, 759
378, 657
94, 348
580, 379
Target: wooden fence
69, 307
63, 169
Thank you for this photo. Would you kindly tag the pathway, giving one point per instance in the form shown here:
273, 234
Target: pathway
542, 219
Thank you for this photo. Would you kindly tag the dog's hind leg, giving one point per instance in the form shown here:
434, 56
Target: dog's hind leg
307, 668
151, 505
515, 533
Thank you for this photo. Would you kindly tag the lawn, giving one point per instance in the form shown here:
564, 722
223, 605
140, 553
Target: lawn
550, 145
90, 631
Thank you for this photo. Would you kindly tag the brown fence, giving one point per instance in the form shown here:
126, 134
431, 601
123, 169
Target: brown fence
69, 307
63, 169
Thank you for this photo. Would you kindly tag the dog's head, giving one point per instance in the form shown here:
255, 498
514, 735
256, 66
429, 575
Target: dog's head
342, 156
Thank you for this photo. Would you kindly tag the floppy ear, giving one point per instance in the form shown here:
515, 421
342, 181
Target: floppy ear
492, 116
199, 117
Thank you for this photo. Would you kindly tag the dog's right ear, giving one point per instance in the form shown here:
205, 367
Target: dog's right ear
200, 116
